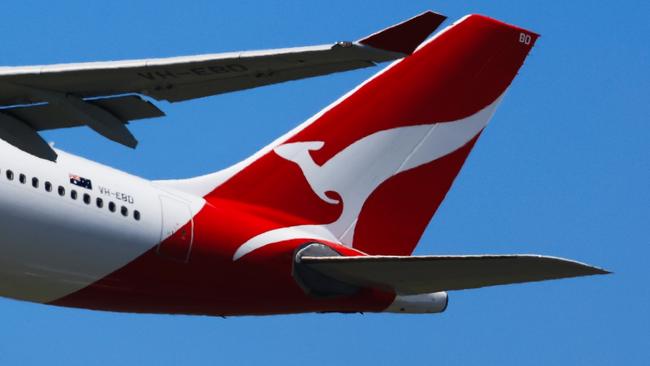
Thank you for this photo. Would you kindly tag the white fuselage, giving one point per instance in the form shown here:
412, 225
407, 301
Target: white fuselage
53, 244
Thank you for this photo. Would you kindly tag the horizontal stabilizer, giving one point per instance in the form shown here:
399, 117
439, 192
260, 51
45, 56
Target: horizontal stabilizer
426, 274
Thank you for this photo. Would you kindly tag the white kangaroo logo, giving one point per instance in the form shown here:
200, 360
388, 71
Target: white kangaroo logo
356, 171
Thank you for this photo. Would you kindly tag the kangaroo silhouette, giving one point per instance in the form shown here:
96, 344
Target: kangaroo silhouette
356, 171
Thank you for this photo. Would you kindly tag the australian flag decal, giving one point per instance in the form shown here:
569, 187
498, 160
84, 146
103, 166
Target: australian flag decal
81, 181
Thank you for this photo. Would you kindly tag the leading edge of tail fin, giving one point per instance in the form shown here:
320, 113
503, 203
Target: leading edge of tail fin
370, 170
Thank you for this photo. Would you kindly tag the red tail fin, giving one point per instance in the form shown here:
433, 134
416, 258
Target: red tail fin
371, 170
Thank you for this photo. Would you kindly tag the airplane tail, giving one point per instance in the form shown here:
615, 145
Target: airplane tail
371, 170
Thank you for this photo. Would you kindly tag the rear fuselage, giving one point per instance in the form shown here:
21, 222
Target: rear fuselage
114, 241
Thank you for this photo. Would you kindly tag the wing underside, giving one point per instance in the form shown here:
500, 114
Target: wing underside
100, 94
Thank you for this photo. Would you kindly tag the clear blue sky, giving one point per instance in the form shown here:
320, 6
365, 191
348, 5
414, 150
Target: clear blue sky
564, 169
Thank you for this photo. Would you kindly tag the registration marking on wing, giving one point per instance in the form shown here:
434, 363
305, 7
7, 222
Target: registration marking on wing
195, 71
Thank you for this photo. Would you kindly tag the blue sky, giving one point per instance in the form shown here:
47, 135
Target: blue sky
563, 169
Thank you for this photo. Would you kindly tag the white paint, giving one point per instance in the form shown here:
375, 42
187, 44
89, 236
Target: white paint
175, 214
435, 302
356, 171
52, 246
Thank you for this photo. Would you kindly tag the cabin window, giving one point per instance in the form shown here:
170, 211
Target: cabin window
48, 186
111, 206
73, 194
100, 202
61, 191
86, 198
35, 182
10, 175
22, 178
136, 215
124, 211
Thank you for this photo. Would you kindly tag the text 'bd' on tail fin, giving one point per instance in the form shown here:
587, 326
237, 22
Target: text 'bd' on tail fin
370, 170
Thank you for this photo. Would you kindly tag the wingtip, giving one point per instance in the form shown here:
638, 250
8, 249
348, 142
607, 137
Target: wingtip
589, 270
583, 269
406, 36
601, 271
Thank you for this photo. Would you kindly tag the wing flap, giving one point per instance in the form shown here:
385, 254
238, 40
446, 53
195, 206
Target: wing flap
50, 116
426, 274
129, 107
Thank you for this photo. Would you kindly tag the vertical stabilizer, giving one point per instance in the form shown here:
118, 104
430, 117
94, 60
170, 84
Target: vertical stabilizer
371, 170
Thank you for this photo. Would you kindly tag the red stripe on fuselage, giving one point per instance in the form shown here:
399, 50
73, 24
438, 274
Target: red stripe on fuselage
210, 283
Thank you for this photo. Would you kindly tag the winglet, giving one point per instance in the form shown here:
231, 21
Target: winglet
406, 36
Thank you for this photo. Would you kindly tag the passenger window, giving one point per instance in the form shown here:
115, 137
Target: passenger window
136, 215
73, 194
125, 211
35, 182
22, 178
61, 191
111, 206
10, 175
86, 198
48, 186
100, 202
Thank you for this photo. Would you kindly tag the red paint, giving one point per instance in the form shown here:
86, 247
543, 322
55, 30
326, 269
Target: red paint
391, 206
462, 71
179, 245
211, 283
406, 36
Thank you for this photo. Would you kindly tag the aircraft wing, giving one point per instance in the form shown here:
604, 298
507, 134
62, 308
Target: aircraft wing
70, 90
426, 274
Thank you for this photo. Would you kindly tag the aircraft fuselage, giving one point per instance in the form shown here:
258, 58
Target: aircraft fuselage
119, 242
